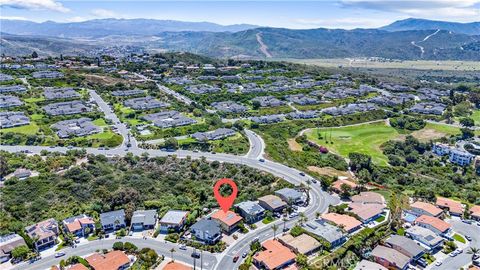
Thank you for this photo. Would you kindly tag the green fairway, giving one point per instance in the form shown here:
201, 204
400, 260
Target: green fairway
100, 122
30, 129
365, 139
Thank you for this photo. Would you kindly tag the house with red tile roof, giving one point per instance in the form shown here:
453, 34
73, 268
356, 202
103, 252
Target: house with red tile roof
228, 220
348, 223
274, 256
434, 224
423, 208
475, 212
79, 225
367, 212
176, 266
77, 266
368, 197
337, 185
114, 260
453, 207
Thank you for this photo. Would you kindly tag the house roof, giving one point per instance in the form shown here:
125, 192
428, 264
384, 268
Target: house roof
475, 211
272, 201
410, 247
391, 255
229, 218
434, 222
43, 229
274, 255
77, 266
289, 193
207, 225
427, 207
325, 230
345, 221
9, 242
426, 235
453, 206
250, 207
75, 223
146, 217
368, 265
174, 217
368, 197
303, 243
112, 216
366, 211
176, 266
110, 261
338, 184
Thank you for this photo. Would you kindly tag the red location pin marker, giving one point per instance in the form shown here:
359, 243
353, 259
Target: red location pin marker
225, 202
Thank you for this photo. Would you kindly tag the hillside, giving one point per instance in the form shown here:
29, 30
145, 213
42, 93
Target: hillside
421, 24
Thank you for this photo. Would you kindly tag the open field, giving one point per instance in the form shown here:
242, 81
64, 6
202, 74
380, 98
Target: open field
30, 129
435, 131
293, 145
363, 63
365, 139
476, 117
329, 171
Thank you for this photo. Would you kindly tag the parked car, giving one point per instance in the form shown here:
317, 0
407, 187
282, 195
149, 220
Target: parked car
438, 263
244, 255
235, 259
467, 221
302, 174
195, 255
468, 237
261, 160
59, 254
183, 247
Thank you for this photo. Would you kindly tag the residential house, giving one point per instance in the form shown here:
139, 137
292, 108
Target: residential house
302, 244
423, 208
8, 243
77, 266
290, 195
217, 134
9, 102
22, 173
172, 265
332, 234
169, 119
127, 93
406, 246
368, 265
173, 220
453, 207
75, 127
13, 119
337, 185
428, 108
390, 258
272, 203
229, 107
425, 236
475, 212
144, 219
5, 77
368, 197
145, 103
460, 157
274, 256
47, 74
66, 108
60, 93
367, 212
79, 226
434, 224
207, 231
44, 233
113, 220
12, 89
267, 119
227, 220
268, 101
346, 222
302, 115
250, 211
113, 260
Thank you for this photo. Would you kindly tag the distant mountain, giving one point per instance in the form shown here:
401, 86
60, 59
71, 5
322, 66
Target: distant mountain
422, 24
106, 27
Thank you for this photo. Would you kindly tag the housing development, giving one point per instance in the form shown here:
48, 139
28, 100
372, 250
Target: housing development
108, 161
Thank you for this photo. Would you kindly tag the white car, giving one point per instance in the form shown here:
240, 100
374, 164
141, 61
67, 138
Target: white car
438, 263
183, 247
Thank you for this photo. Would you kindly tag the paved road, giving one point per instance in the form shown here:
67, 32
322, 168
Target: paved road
167, 90
162, 248
462, 259
257, 145
109, 114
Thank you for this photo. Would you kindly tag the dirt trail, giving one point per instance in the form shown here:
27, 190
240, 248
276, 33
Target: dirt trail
263, 47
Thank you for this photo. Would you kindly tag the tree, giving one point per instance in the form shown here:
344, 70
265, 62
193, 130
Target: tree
467, 133
172, 251
34, 54
302, 260
274, 228
171, 143
256, 104
118, 246
474, 251
467, 122
129, 247
20, 252
345, 190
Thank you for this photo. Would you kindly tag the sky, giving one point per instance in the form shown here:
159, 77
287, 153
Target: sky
347, 14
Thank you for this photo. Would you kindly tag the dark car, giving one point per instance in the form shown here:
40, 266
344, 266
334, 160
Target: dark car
195, 255
235, 259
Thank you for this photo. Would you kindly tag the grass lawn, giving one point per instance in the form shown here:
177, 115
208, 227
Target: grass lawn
365, 139
33, 99
476, 117
100, 122
380, 219
36, 116
459, 238
401, 231
30, 129
267, 220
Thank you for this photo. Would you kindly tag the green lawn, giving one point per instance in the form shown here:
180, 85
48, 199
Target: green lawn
476, 117
100, 122
448, 130
365, 139
34, 99
30, 129
459, 238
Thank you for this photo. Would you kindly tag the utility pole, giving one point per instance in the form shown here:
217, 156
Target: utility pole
201, 259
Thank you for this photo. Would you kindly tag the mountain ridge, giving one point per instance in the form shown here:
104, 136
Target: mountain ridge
472, 28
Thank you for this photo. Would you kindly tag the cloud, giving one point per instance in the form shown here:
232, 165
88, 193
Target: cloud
13, 18
344, 23
35, 5
459, 9
103, 13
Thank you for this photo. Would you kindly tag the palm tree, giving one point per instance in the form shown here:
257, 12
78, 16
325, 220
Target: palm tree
172, 251
302, 219
474, 251
274, 228
284, 222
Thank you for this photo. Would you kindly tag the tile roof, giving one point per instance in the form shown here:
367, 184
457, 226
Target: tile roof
391, 256
345, 221
427, 207
338, 184
434, 222
453, 206
368, 265
303, 243
77, 266
366, 210
274, 255
110, 261
229, 218
176, 266
368, 197
475, 211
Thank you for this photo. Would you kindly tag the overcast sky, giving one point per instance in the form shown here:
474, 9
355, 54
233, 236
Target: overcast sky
291, 14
